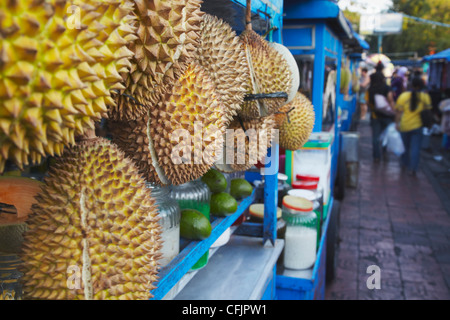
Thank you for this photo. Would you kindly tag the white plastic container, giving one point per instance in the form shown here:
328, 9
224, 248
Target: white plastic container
301, 233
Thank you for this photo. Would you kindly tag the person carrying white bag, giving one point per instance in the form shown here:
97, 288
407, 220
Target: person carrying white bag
392, 140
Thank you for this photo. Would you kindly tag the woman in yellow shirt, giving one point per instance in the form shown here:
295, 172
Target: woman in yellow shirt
409, 105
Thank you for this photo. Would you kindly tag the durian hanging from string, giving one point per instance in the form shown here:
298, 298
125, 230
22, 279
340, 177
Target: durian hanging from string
167, 36
94, 231
59, 60
270, 77
222, 54
177, 139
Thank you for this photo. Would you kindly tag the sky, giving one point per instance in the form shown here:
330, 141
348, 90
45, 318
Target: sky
365, 6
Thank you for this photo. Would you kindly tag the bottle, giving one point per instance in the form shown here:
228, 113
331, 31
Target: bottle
170, 215
313, 196
301, 233
283, 187
194, 195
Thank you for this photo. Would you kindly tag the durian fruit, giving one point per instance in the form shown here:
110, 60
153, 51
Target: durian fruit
282, 114
176, 141
298, 125
59, 59
355, 81
17, 195
167, 35
346, 77
246, 144
94, 233
222, 54
293, 68
269, 73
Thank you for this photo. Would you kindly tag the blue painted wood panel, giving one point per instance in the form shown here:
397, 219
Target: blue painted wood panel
271, 194
290, 288
182, 263
298, 37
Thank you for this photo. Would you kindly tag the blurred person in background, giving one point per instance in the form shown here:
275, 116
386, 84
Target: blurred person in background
399, 82
364, 82
379, 121
409, 105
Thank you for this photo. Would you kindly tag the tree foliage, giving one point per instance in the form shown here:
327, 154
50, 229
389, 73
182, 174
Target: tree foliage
416, 36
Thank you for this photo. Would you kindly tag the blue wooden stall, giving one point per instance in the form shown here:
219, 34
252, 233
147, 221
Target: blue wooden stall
354, 51
247, 267
320, 38
244, 268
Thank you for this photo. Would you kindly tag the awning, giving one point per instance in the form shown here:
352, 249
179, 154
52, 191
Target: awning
440, 55
363, 43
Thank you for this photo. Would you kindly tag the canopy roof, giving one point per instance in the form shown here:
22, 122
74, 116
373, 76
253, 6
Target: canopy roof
440, 55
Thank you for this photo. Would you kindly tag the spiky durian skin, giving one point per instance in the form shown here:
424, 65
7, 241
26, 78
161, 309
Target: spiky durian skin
245, 146
222, 54
269, 73
298, 125
94, 215
59, 59
133, 138
177, 140
167, 35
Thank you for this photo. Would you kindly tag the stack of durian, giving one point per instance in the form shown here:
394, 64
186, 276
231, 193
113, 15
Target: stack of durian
170, 80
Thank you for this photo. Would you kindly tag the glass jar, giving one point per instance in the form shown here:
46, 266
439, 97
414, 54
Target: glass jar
194, 195
170, 215
301, 233
283, 187
315, 198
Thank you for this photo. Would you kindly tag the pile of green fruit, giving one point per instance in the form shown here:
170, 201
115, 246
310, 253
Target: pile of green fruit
194, 225
224, 203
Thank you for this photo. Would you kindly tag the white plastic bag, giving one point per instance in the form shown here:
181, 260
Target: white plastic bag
392, 140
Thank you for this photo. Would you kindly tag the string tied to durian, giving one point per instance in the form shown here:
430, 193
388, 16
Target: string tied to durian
272, 95
286, 113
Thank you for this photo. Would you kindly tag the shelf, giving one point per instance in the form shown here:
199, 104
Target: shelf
243, 269
170, 274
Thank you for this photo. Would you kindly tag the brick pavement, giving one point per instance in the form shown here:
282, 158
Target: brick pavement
398, 223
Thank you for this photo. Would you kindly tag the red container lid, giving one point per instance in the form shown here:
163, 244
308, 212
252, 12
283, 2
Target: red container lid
259, 165
307, 177
310, 185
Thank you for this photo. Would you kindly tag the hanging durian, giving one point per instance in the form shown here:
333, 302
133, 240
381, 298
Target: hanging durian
269, 73
298, 125
246, 143
176, 141
293, 68
94, 233
167, 35
222, 54
59, 59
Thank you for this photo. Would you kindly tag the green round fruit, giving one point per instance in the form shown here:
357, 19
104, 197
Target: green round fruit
222, 204
240, 188
194, 225
215, 180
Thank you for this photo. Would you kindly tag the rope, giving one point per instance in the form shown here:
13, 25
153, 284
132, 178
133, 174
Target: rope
273, 95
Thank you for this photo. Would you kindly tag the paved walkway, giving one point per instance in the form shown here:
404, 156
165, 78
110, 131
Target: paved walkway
399, 223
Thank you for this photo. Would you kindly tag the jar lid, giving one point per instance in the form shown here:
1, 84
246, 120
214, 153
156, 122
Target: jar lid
310, 185
307, 177
282, 176
297, 203
308, 194
257, 210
